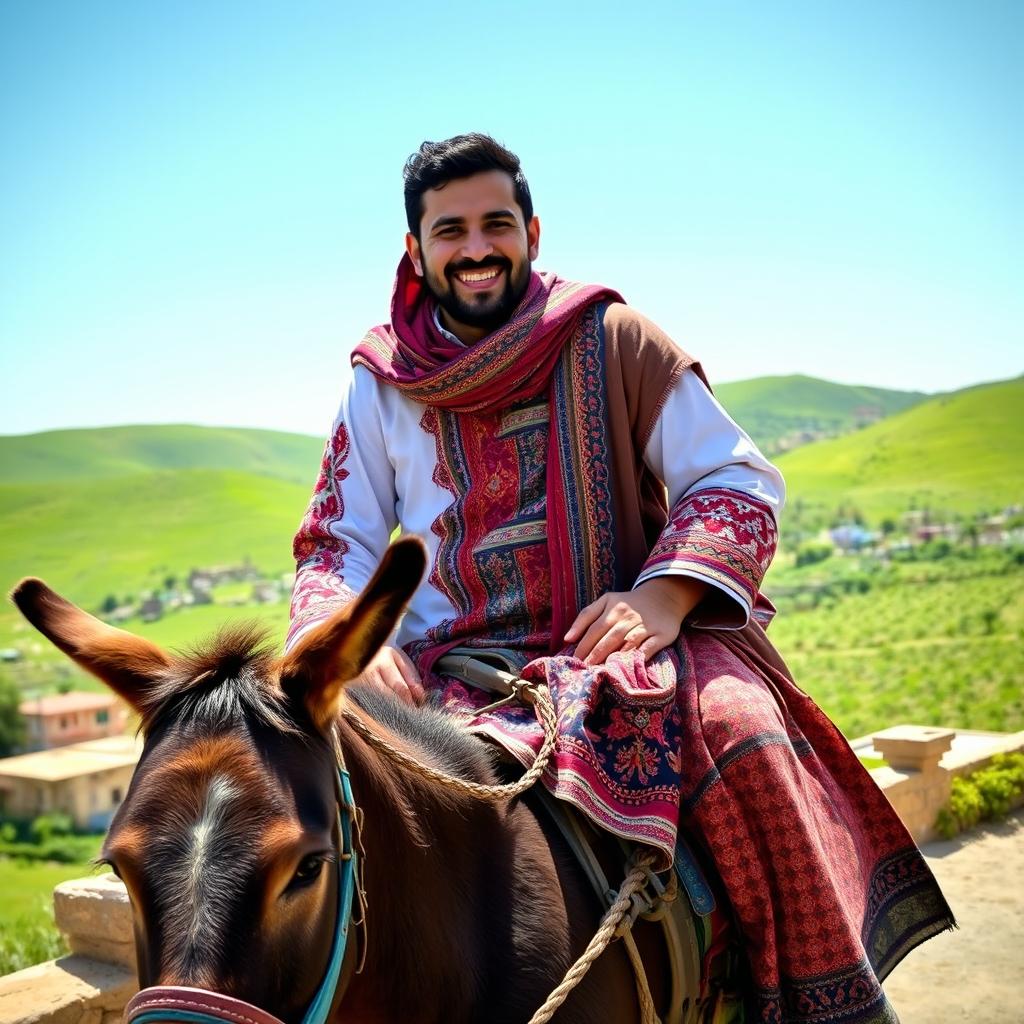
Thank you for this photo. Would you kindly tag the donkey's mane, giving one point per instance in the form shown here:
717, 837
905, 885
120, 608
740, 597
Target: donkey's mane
224, 682
220, 683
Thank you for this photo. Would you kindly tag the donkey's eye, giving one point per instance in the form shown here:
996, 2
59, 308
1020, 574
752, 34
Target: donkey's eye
110, 866
308, 870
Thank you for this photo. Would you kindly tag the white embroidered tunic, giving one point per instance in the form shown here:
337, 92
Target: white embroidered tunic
476, 483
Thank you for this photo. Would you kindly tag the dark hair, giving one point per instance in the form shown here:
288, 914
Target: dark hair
434, 164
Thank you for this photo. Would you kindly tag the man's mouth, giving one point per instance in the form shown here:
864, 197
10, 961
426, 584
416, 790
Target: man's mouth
478, 279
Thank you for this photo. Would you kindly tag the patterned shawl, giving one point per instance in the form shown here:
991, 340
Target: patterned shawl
511, 364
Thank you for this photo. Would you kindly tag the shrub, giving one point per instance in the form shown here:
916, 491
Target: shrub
26, 942
813, 552
46, 826
983, 796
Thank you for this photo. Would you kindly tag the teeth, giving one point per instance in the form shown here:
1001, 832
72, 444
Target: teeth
483, 275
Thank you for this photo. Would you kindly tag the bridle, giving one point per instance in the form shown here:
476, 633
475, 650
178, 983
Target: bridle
179, 1004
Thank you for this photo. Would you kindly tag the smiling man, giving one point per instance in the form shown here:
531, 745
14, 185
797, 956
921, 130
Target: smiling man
595, 519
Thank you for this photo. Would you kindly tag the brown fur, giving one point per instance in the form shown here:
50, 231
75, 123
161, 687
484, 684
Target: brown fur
475, 912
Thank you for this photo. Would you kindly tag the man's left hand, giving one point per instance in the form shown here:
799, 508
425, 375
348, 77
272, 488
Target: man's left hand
648, 618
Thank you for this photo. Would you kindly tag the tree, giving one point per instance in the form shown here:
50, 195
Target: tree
12, 725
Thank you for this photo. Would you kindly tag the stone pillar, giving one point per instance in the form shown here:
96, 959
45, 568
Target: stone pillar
914, 781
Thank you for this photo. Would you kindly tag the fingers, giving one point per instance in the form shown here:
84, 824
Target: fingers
410, 676
391, 670
584, 619
613, 622
612, 640
650, 647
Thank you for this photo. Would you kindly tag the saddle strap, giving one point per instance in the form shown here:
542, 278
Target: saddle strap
684, 956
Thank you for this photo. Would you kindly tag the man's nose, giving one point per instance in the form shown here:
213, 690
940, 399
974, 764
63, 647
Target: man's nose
477, 247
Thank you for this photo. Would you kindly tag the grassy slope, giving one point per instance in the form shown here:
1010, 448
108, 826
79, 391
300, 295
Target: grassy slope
771, 407
66, 455
954, 453
126, 534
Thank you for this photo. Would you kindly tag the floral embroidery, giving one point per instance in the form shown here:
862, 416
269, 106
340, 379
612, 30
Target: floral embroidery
320, 555
721, 535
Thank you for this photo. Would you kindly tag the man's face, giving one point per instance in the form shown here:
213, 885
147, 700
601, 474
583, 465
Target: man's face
474, 252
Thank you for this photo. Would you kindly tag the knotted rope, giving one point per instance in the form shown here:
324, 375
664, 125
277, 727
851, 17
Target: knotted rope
493, 794
605, 933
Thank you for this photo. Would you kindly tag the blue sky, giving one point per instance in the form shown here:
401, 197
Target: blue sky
200, 204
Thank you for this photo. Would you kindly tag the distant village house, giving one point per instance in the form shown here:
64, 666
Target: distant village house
60, 719
86, 781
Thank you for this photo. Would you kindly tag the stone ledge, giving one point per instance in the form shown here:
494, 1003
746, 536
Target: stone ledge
96, 917
966, 763
72, 990
918, 794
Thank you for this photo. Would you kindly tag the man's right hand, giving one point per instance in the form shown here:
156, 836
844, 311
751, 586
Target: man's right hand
390, 669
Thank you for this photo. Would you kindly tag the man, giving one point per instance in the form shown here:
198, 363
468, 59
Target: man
582, 496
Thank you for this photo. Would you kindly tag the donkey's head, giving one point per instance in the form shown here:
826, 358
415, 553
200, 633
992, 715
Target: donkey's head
232, 815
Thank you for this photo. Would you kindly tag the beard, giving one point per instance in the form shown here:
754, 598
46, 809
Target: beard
487, 312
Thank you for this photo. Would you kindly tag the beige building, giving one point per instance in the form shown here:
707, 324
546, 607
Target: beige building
59, 719
87, 780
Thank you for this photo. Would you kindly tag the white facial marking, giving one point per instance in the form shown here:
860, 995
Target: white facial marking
197, 914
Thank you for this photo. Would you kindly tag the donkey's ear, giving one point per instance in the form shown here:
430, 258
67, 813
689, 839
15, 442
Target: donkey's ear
125, 662
336, 651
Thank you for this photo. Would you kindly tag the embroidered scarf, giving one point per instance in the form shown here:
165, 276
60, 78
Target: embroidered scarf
511, 364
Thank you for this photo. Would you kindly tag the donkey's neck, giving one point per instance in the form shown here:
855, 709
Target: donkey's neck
427, 874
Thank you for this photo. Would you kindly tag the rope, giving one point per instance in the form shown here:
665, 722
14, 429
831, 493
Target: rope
609, 924
493, 794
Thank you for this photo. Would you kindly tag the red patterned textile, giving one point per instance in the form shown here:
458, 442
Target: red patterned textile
492, 560
712, 736
512, 364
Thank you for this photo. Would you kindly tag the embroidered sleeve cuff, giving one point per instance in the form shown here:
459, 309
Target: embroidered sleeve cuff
317, 595
725, 538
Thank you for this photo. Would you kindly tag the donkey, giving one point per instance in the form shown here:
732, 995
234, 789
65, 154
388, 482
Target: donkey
229, 839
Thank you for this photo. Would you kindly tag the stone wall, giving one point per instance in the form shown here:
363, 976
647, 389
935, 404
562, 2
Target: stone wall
92, 984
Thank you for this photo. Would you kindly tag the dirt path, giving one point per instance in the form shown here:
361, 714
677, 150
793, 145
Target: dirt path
976, 973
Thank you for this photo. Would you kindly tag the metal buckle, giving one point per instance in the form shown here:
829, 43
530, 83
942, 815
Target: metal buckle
522, 690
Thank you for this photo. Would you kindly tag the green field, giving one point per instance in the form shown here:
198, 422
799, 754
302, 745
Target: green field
45, 669
958, 454
938, 643
27, 932
107, 452
123, 535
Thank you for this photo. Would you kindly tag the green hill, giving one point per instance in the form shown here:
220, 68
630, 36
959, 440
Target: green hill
69, 455
782, 413
126, 534
956, 453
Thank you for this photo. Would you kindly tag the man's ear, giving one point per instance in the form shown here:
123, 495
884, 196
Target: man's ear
412, 247
335, 652
533, 238
125, 662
